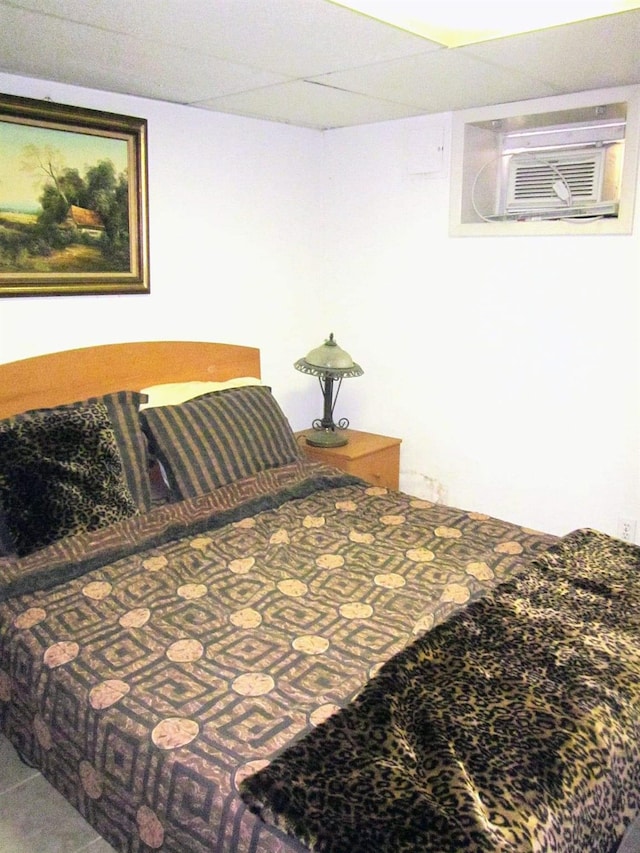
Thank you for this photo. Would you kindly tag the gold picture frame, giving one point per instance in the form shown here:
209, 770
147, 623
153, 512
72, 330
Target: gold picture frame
73, 200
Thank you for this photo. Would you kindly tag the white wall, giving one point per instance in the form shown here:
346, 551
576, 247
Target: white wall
509, 366
234, 242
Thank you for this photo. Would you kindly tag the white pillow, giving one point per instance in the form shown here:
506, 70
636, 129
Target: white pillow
172, 393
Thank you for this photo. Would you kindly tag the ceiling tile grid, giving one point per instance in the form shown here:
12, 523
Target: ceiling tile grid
311, 63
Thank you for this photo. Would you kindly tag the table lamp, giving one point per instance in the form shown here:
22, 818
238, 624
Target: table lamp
330, 364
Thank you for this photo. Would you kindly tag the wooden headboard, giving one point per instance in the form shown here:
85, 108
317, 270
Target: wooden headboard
64, 377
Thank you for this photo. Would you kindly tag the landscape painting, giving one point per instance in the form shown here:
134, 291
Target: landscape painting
73, 200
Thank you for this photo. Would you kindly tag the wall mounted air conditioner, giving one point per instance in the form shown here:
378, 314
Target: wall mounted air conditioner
567, 164
561, 184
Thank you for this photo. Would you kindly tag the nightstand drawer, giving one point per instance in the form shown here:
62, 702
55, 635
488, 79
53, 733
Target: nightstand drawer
374, 458
381, 468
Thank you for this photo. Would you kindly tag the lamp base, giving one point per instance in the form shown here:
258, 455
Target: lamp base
326, 438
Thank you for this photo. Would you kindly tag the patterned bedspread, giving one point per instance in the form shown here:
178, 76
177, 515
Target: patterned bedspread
515, 726
150, 668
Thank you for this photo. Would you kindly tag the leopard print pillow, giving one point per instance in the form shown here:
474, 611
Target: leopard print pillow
60, 473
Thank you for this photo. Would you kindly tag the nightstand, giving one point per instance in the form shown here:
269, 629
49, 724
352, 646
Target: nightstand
374, 458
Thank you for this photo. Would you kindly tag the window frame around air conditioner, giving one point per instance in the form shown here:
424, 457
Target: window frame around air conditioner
476, 147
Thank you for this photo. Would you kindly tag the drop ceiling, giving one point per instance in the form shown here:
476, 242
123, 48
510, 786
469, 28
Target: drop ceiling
310, 63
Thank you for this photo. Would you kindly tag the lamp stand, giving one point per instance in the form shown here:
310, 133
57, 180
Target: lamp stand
325, 434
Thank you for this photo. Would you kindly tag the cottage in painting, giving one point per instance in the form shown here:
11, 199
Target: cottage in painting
84, 220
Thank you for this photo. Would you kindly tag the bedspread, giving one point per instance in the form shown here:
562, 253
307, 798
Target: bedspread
515, 726
148, 669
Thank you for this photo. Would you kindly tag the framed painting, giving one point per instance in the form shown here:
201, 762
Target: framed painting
73, 200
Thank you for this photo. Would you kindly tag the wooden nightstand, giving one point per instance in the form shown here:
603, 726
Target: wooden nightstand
375, 458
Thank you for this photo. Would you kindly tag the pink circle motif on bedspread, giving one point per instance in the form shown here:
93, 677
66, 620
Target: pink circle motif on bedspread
248, 769
293, 587
32, 616
136, 618
356, 610
480, 570
91, 780
319, 715
253, 684
448, 532
425, 623
392, 520
310, 644
174, 732
97, 590
246, 618
192, 590
42, 733
347, 506
508, 548
420, 555
60, 653
185, 651
280, 537
389, 580
242, 566
455, 592
330, 561
150, 829
155, 564
361, 538
107, 693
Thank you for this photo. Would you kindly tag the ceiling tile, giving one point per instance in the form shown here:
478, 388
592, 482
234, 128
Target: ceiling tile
310, 105
293, 37
594, 54
439, 81
119, 62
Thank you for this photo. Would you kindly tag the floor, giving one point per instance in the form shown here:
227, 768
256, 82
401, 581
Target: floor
34, 817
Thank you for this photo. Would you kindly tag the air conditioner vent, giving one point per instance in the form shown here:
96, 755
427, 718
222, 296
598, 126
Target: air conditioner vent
554, 181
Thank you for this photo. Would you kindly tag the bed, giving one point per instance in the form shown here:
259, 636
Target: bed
210, 643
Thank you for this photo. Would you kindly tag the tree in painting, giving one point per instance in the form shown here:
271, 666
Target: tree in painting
83, 222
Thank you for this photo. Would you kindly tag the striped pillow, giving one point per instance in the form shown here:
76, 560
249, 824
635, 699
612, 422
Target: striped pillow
219, 438
122, 407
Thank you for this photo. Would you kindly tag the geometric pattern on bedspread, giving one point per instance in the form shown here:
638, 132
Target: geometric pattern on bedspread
515, 726
147, 689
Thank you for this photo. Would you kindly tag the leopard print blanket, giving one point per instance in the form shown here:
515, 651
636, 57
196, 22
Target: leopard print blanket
514, 726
